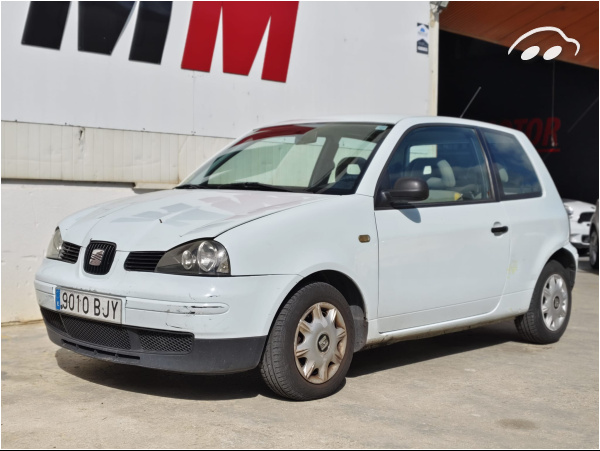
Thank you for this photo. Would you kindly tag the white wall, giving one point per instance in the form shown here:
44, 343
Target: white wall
30, 213
63, 152
347, 58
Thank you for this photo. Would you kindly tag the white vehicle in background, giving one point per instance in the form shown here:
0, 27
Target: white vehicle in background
302, 243
580, 217
594, 239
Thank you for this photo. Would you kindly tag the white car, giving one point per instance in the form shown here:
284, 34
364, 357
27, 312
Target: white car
304, 242
580, 217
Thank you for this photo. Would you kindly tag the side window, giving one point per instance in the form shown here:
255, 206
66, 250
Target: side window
449, 159
515, 172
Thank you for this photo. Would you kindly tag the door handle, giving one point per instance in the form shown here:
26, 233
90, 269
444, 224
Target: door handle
499, 230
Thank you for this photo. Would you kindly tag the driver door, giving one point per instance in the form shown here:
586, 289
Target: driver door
439, 259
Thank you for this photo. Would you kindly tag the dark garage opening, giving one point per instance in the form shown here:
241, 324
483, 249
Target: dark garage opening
554, 103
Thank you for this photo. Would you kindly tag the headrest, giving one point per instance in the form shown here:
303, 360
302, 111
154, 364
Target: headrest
447, 173
502, 173
343, 164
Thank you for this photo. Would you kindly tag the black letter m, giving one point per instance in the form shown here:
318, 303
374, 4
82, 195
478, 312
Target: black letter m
100, 26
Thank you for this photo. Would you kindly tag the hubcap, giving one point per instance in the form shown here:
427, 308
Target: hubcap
555, 302
320, 343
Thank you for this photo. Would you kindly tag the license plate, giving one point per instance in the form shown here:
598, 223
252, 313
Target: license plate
88, 305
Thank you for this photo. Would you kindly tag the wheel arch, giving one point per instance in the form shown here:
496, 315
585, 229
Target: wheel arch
351, 293
566, 259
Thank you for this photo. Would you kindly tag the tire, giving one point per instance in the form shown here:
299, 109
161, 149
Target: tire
299, 336
594, 249
550, 308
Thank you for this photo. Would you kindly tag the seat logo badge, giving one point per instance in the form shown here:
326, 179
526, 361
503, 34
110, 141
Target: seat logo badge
323, 343
96, 257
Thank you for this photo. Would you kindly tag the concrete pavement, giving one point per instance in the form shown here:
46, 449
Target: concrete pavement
478, 388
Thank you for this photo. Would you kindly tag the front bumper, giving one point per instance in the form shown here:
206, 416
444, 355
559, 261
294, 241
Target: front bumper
580, 241
226, 319
152, 348
580, 234
208, 307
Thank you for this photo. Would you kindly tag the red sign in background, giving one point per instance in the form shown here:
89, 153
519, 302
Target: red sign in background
244, 24
543, 133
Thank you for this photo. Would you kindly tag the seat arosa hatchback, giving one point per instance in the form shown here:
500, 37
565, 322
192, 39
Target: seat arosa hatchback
302, 243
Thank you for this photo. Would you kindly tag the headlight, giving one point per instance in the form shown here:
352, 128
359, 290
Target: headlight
569, 209
198, 258
55, 245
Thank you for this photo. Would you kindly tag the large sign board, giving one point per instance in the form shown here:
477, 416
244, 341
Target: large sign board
209, 68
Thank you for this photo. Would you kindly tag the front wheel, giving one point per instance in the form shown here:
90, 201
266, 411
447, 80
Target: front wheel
310, 347
550, 308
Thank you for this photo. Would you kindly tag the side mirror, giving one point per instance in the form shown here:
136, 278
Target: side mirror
407, 189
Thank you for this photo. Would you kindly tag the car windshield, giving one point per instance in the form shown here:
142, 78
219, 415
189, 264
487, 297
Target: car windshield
326, 158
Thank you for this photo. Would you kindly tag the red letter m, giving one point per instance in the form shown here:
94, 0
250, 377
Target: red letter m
244, 24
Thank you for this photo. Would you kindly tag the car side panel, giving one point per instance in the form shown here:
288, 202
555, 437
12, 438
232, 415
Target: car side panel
539, 227
440, 263
311, 238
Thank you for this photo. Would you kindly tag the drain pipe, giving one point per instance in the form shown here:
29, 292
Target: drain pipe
435, 9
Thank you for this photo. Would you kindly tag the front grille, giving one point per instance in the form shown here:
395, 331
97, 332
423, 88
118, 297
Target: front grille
99, 257
162, 342
143, 261
69, 252
53, 318
108, 335
586, 217
117, 336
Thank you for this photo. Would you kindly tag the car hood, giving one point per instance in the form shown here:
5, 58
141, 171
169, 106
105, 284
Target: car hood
161, 220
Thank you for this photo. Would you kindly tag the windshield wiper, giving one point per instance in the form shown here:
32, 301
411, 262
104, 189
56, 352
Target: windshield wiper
194, 186
254, 186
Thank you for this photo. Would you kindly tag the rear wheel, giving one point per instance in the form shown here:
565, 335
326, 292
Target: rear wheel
310, 348
594, 249
550, 308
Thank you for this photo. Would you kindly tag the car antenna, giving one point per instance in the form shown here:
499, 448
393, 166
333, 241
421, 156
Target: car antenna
469, 104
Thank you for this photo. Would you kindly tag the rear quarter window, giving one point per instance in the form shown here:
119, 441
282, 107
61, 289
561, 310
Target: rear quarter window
515, 173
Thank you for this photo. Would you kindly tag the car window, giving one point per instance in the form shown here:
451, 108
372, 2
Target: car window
514, 170
449, 159
350, 158
274, 161
325, 158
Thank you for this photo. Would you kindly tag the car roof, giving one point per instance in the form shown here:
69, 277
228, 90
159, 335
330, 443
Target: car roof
368, 118
388, 119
